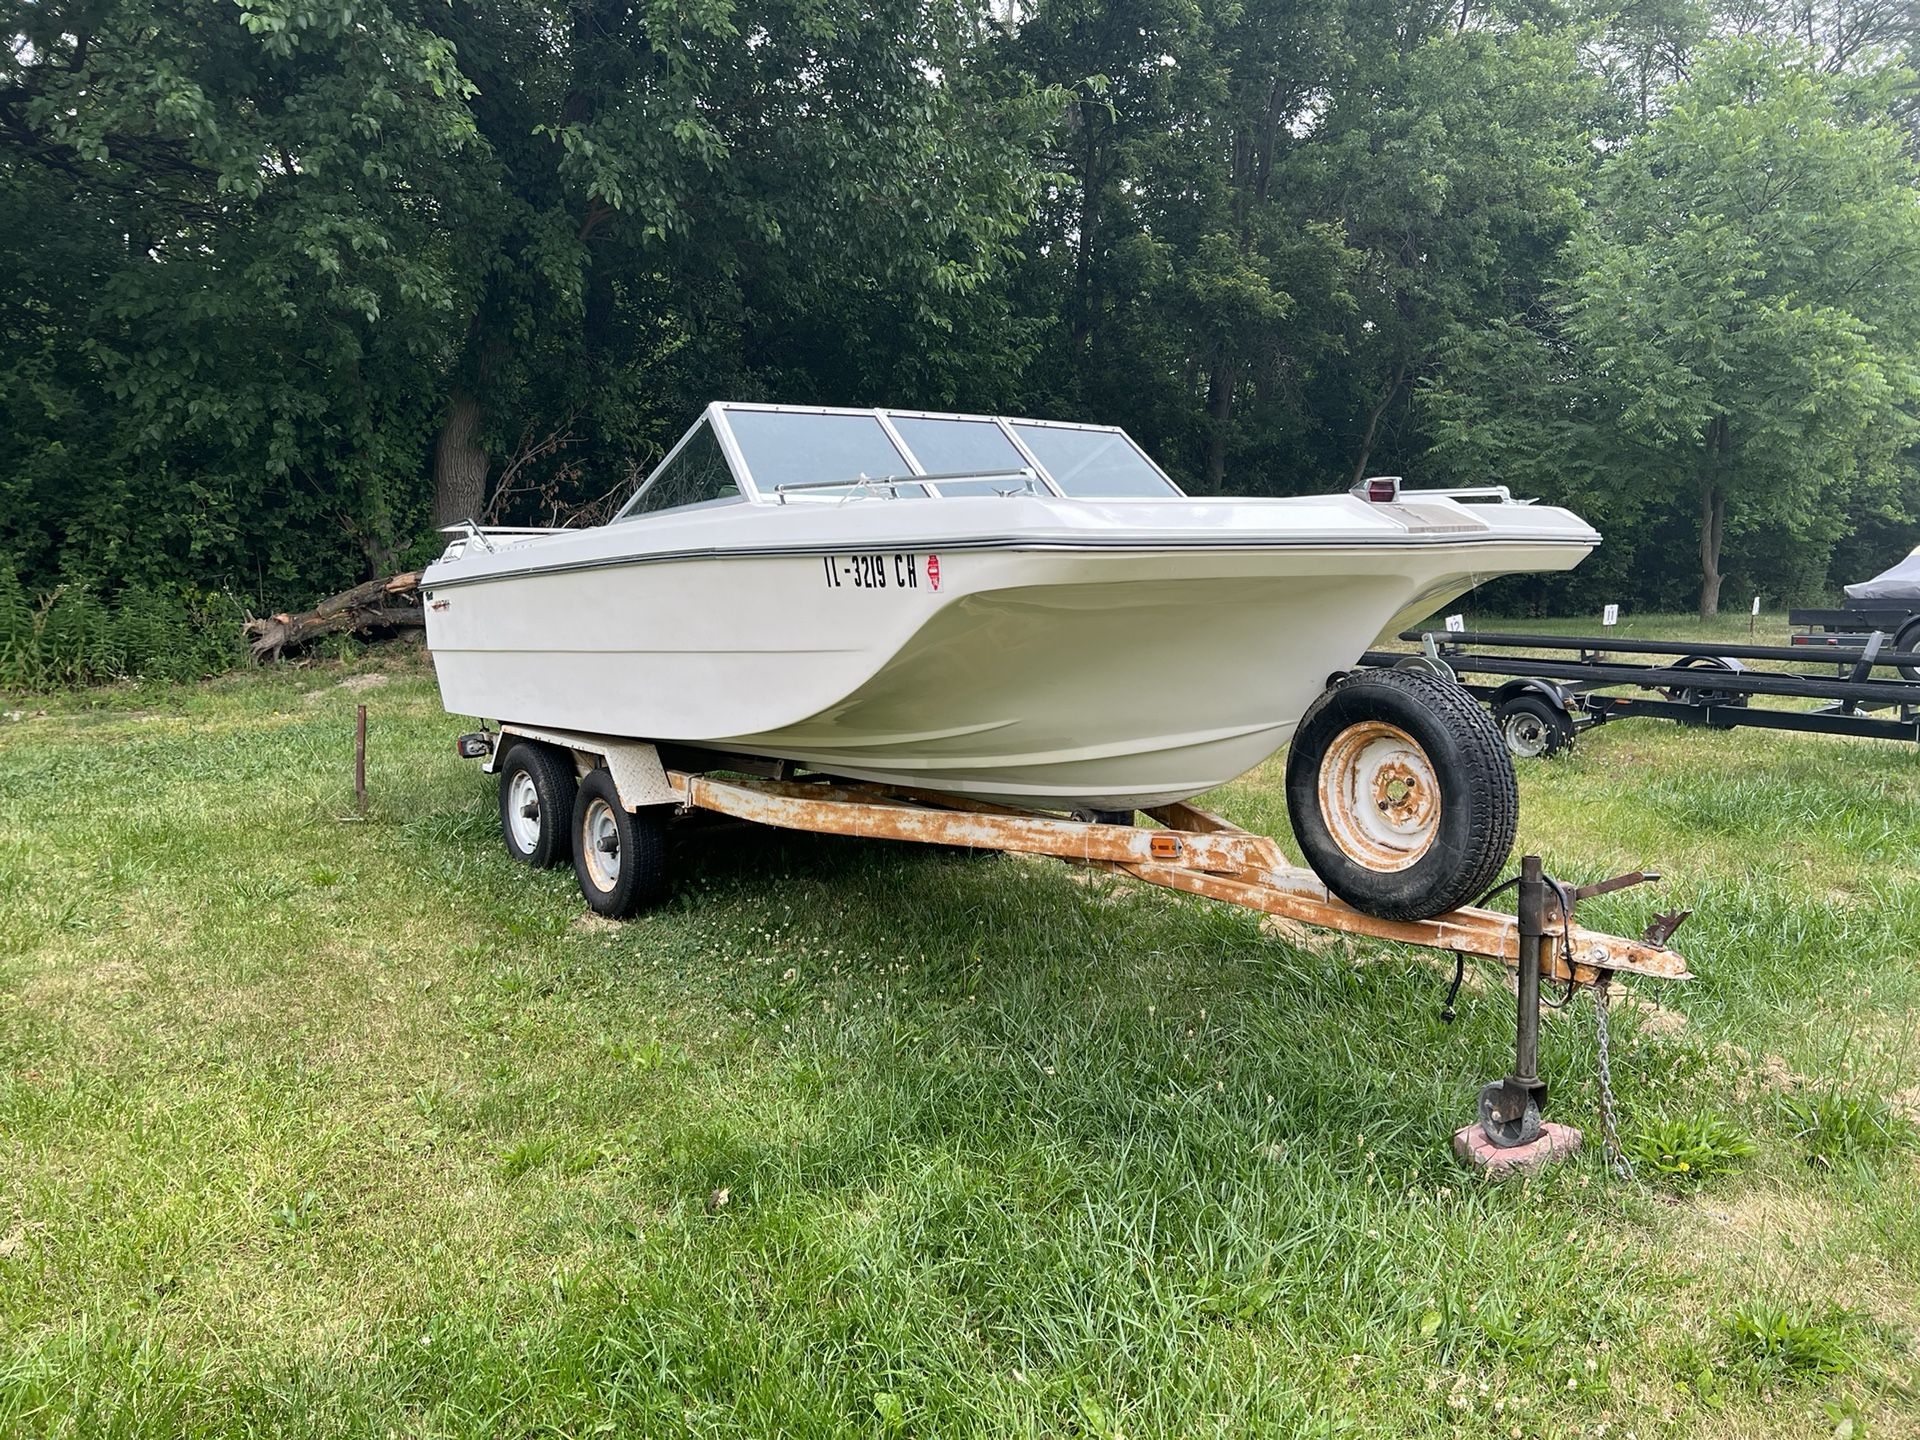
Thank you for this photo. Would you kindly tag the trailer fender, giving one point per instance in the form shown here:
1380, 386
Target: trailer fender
633, 765
1558, 695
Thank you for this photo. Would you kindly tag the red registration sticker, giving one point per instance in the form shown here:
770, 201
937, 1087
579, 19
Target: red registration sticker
933, 571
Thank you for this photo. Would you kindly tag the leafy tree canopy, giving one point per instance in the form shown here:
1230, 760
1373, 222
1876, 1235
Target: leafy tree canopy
290, 282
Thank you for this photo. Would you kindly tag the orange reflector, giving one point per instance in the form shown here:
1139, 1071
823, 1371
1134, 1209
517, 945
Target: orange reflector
1163, 847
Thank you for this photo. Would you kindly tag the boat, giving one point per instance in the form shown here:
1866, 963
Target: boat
1011, 610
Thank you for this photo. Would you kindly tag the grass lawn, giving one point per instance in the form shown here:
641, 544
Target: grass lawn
312, 1125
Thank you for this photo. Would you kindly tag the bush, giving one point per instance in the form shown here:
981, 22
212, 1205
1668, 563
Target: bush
71, 636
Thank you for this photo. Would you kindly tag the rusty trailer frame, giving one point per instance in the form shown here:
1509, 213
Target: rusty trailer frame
1185, 849
1189, 850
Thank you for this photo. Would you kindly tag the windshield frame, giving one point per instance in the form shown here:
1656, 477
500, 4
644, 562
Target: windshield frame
1035, 479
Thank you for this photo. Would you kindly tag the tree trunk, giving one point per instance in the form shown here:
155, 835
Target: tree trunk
1713, 519
1083, 264
390, 603
1219, 411
1713, 516
459, 462
1373, 424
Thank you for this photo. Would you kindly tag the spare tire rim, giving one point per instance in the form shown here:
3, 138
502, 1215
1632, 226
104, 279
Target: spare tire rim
523, 811
601, 834
1380, 796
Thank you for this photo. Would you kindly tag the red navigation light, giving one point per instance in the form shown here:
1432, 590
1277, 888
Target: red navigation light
1380, 489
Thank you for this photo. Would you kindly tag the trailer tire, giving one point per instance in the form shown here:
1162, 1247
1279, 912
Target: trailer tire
536, 804
1706, 694
1907, 642
1402, 794
619, 855
1533, 726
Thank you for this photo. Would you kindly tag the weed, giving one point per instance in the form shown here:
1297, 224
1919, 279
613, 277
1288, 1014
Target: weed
1837, 1125
1773, 1342
528, 1155
1687, 1150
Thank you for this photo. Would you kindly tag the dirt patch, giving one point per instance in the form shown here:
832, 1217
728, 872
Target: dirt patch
1907, 1102
1661, 1022
588, 923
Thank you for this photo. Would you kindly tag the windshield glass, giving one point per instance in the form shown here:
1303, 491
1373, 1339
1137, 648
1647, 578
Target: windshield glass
696, 474
1092, 463
785, 447
945, 447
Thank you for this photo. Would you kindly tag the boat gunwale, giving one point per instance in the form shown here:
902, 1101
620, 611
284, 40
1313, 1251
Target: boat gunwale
1145, 544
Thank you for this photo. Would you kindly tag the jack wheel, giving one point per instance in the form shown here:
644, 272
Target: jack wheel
619, 857
1512, 1131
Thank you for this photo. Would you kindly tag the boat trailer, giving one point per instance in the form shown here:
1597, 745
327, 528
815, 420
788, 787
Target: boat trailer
1184, 848
1542, 702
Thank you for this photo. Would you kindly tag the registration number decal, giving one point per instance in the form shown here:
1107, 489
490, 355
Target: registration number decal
899, 570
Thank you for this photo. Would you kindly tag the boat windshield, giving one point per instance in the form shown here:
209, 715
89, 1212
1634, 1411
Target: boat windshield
695, 472
782, 454
816, 453
948, 446
1092, 463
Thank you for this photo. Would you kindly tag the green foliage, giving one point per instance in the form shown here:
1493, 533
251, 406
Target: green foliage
1773, 1342
1751, 296
73, 637
1837, 1125
1685, 1151
287, 283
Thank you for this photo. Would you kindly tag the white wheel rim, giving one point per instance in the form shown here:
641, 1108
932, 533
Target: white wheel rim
1380, 796
523, 811
1526, 735
601, 834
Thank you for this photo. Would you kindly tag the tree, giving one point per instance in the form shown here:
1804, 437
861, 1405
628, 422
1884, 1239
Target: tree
1748, 298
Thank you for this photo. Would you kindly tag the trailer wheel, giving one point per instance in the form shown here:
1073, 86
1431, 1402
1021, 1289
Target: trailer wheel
536, 804
1706, 694
1533, 726
1908, 641
619, 856
1402, 794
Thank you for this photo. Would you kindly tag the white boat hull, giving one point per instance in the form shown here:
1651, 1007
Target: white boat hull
1053, 672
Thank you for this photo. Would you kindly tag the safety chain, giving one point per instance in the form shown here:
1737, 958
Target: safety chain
1616, 1157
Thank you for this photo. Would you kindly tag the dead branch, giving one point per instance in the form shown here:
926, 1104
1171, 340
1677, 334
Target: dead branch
392, 603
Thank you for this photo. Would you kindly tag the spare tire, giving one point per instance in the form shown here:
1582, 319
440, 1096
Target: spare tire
1401, 793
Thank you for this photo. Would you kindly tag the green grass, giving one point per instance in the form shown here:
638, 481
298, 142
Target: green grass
320, 1125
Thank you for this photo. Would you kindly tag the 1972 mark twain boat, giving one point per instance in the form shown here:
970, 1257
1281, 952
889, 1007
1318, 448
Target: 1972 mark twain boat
1015, 611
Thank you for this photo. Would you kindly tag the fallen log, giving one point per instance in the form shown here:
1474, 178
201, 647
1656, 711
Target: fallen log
392, 603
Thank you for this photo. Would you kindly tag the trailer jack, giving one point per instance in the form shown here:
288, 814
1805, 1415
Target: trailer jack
1510, 1108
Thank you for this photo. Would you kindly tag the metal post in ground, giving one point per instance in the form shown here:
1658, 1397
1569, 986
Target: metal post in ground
360, 762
